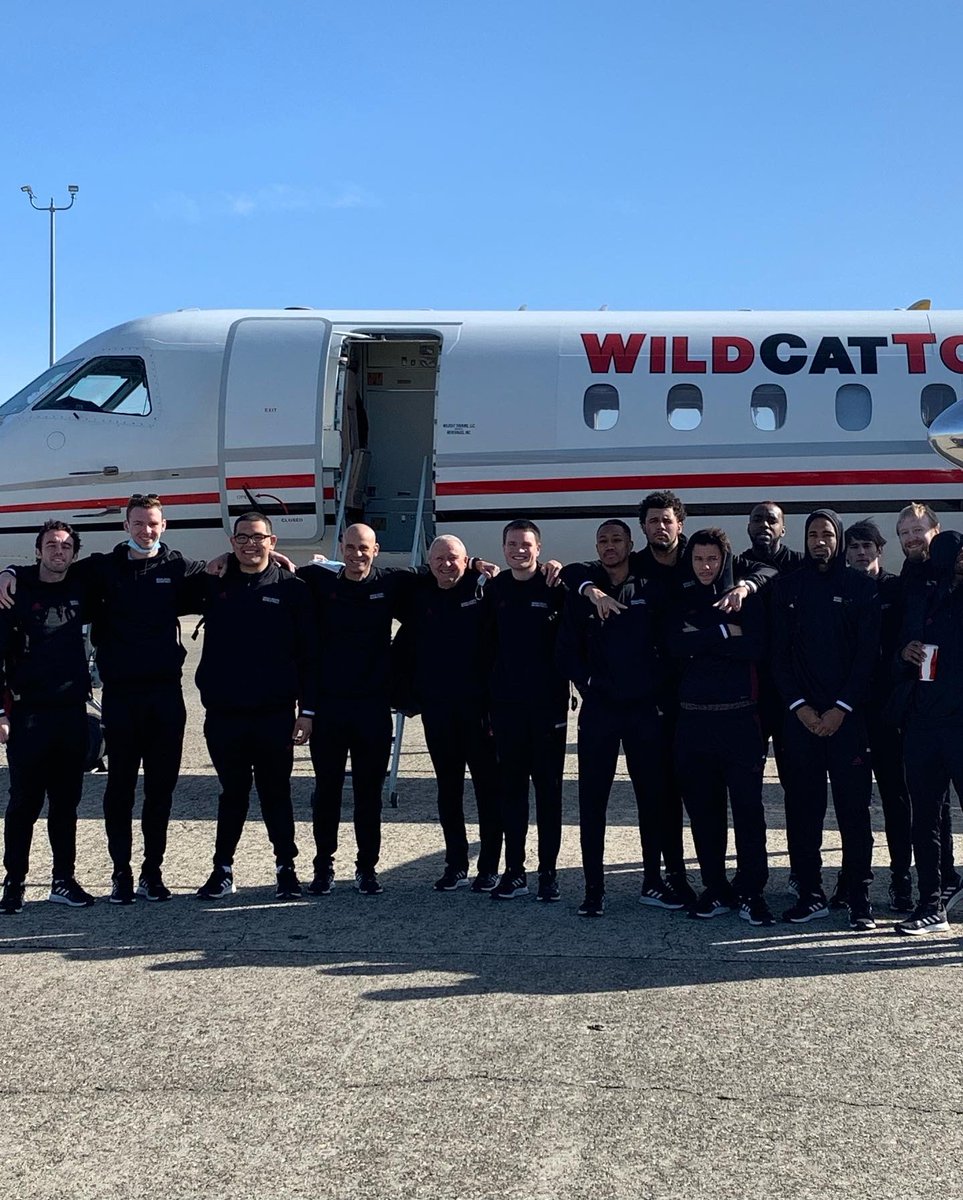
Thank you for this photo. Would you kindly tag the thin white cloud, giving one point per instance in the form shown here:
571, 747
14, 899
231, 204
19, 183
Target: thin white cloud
275, 198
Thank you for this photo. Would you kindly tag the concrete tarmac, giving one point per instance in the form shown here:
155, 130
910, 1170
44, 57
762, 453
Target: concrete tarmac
451, 1046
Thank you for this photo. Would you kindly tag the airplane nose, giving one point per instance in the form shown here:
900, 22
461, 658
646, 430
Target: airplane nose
946, 434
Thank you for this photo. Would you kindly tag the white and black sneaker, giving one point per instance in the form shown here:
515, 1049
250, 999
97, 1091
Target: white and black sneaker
659, 894
713, 904
756, 911
951, 895
451, 880
122, 889
511, 884
807, 908
924, 920
153, 887
69, 891
861, 917
594, 903
220, 883
288, 885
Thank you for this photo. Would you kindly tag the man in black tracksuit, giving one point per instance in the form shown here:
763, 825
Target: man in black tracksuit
718, 745
864, 545
933, 721
439, 651
258, 665
825, 644
43, 661
143, 587
617, 667
766, 529
529, 702
354, 608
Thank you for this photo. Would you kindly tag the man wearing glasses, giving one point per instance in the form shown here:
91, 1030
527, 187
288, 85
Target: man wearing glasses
256, 678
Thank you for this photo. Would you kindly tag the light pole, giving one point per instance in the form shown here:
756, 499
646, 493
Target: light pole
53, 210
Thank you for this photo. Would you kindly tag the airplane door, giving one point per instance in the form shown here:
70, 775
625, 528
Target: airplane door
270, 423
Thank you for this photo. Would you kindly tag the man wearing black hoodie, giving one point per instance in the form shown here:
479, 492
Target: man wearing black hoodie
825, 645
932, 742
718, 745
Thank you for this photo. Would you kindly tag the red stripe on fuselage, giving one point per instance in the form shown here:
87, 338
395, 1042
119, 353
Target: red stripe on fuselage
739, 479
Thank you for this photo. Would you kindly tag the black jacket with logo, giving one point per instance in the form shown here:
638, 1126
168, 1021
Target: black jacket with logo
521, 618
260, 642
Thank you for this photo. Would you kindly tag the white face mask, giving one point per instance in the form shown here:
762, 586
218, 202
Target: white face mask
139, 549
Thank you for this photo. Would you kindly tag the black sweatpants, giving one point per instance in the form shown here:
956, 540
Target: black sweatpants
458, 735
252, 746
45, 756
720, 754
530, 745
670, 806
361, 728
934, 757
845, 758
886, 747
141, 725
604, 726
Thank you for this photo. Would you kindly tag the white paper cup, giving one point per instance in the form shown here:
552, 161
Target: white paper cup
928, 665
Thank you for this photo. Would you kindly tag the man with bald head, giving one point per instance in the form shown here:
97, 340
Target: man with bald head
355, 607
442, 645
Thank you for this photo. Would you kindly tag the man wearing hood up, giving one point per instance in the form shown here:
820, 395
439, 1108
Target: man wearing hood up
932, 741
718, 743
826, 624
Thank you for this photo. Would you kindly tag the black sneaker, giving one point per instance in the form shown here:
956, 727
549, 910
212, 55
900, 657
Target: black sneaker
756, 911
840, 897
901, 894
511, 884
712, 904
807, 908
122, 891
483, 882
679, 883
322, 883
548, 887
220, 883
660, 894
69, 891
367, 883
924, 920
792, 885
152, 887
12, 901
594, 903
452, 879
861, 916
289, 886
951, 895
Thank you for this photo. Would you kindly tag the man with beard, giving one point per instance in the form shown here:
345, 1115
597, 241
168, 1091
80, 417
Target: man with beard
825, 649
864, 546
617, 668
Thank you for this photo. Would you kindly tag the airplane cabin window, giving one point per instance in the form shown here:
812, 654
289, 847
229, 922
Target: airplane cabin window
768, 406
683, 406
600, 406
854, 407
106, 385
934, 399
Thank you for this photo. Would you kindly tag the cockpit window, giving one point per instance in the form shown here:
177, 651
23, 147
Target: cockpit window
43, 383
106, 385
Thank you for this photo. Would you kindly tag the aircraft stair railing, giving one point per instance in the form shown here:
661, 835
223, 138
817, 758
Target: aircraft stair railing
419, 556
342, 504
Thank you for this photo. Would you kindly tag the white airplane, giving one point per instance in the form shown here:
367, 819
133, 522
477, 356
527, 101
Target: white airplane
458, 421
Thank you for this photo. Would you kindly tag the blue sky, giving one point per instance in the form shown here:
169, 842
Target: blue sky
684, 154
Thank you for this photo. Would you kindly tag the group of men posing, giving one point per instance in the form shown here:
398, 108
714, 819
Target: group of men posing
686, 657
